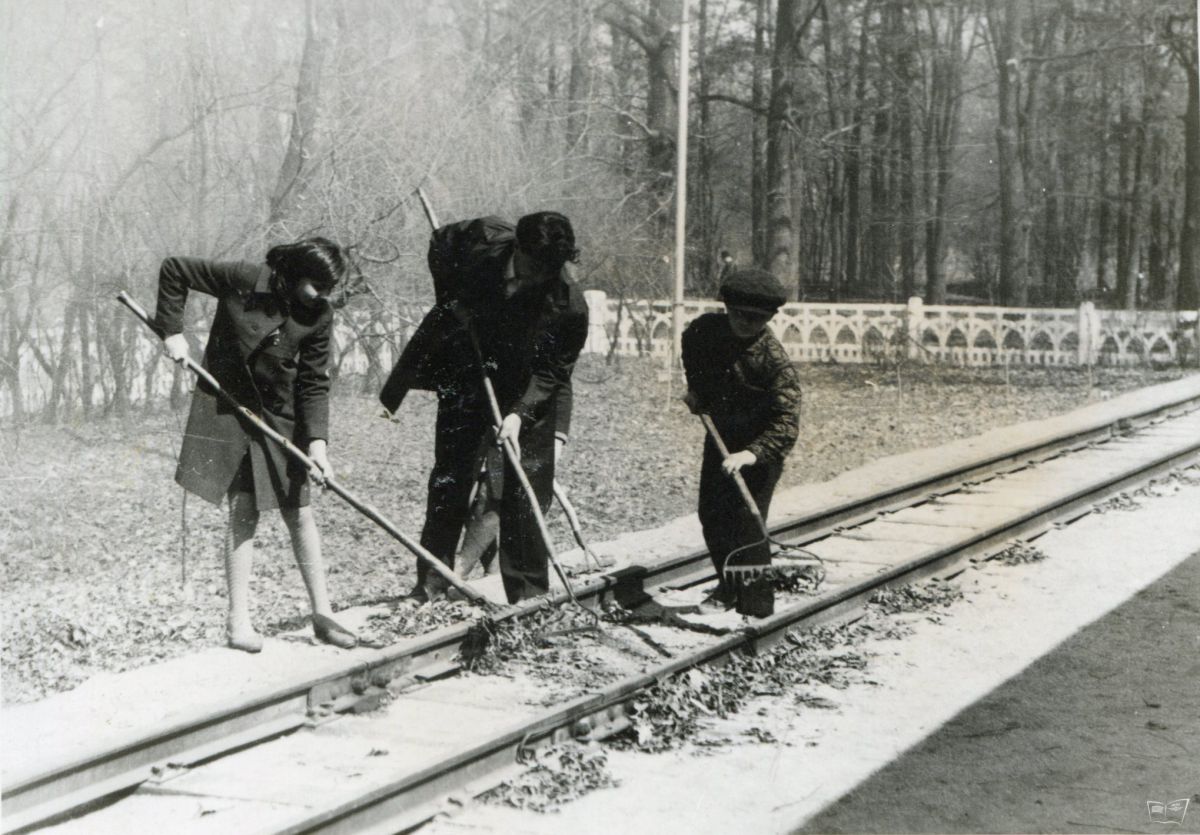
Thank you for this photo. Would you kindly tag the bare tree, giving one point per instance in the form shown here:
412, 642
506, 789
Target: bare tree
1004, 24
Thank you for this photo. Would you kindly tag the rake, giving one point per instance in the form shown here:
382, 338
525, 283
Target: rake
795, 561
514, 460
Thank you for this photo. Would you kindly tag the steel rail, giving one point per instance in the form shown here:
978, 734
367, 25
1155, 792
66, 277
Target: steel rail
32, 799
413, 798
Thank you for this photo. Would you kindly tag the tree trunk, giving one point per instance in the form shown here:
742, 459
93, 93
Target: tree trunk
904, 77
705, 218
1014, 269
879, 221
59, 379
1188, 287
1103, 210
854, 164
578, 82
118, 362
297, 158
654, 35
87, 374
622, 82
1125, 177
791, 21
660, 55
758, 165
1158, 252
12, 369
836, 174
943, 121
780, 260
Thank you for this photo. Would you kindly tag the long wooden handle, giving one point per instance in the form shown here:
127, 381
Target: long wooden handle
514, 458
751, 505
358, 504
428, 208
572, 517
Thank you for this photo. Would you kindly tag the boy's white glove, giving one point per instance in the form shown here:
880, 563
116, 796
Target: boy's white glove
176, 347
510, 430
737, 460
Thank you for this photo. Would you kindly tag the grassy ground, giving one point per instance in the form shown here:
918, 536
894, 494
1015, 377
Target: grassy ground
94, 533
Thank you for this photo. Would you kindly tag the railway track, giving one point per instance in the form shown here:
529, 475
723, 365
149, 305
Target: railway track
438, 735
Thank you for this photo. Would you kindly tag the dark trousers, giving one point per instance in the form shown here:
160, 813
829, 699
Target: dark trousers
462, 424
728, 525
463, 427
524, 559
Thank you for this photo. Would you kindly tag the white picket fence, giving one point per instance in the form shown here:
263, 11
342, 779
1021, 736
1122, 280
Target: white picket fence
973, 336
810, 332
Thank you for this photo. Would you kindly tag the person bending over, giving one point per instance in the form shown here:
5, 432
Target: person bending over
511, 288
269, 349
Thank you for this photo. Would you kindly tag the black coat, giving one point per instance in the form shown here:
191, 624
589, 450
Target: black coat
272, 357
530, 343
750, 388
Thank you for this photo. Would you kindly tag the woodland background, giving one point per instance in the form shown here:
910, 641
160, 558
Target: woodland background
1015, 152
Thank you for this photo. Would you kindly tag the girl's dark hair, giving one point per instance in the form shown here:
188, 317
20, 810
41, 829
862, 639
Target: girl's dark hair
318, 259
548, 238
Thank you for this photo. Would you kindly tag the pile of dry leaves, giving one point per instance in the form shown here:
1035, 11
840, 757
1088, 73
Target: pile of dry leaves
916, 597
670, 713
554, 775
1019, 554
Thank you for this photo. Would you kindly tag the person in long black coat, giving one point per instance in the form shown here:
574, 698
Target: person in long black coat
512, 287
269, 349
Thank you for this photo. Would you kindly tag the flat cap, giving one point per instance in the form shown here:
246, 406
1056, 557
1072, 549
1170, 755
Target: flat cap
754, 289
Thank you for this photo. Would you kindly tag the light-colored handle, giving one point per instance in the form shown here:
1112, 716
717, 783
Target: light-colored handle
747, 497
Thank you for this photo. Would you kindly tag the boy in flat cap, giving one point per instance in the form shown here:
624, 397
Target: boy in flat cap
738, 374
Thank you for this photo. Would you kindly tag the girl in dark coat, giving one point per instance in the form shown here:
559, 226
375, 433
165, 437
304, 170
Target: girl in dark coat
269, 348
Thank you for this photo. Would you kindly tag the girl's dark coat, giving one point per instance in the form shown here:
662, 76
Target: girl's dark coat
272, 357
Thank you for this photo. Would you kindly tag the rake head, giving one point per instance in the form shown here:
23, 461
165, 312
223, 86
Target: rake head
790, 569
590, 564
791, 565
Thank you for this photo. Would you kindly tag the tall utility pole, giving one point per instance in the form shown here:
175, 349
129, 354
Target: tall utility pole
681, 138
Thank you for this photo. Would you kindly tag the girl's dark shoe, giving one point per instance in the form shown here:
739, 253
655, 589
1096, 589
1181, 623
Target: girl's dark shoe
327, 631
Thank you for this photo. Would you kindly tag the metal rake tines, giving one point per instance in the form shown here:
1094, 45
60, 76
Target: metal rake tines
803, 579
786, 561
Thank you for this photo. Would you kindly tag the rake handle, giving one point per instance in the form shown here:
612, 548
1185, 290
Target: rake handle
751, 505
331, 484
514, 458
572, 516
427, 208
